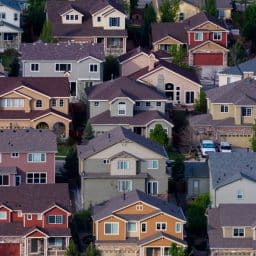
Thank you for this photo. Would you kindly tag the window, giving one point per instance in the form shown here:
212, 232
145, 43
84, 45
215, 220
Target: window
131, 226
152, 187
2, 15
190, 97
152, 164
34, 67
38, 103
111, 228
161, 226
181, 16
148, 103
39, 216
54, 102
238, 232
19, 213
17, 180
62, 67
124, 185
221, 13
246, 111
15, 155
9, 36
3, 215
122, 165
55, 242
114, 21
61, 102
12, 103
29, 216
76, 17
99, 19
122, 108
55, 219
96, 103
239, 195
4, 180
198, 36
106, 161
93, 67
223, 108
137, 104
217, 36
158, 104
143, 227
139, 207
36, 157
36, 178
178, 227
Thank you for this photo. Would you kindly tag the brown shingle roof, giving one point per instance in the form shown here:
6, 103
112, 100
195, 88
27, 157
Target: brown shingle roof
133, 53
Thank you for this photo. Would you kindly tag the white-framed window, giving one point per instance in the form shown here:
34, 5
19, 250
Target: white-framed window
114, 21
124, 185
36, 178
122, 165
54, 102
106, 161
111, 228
181, 16
3, 215
15, 16
239, 195
39, 216
19, 213
2, 15
217, 36
238, 232
121, 108
178, 227
96, 103
224, 108
39, 103
246, 111
190, 97
12, 103
132, 226
55, 219
34, 67
139, 207
152, 187
62, 67
143, 227
152, 164
15, 155
36, 157
4, 180
198, 36
71, 17
93, 68
29, 216
161, 226
61, 102
55, 242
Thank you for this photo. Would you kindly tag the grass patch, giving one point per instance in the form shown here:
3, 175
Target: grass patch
62, 150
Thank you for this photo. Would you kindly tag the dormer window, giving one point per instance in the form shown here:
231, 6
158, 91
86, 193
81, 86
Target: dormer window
238, 232
121, 108
71, 17
38, 103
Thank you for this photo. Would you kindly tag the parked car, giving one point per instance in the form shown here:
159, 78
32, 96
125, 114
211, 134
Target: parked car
207, 146
225, 147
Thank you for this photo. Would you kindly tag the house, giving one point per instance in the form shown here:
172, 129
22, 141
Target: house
179, 85
81, 63
138, 224
231, 229
89, 22
119, 161
196, 174
27, 156
125, 102
34, 220
10, 32
231, 114
232, 183
204, 38
35, 102
238, 72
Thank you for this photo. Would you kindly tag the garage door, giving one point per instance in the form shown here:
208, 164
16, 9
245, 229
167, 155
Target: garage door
10, 249
211, 59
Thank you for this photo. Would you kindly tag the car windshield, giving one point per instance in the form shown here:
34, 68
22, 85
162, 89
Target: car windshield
208, 145
226, 147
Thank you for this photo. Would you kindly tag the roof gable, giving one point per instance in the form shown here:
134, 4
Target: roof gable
12, 4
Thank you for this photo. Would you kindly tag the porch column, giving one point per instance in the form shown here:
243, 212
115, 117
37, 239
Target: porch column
25, 246
105, 43
162, 251
124, 44
67, 242
45, 246
142, 251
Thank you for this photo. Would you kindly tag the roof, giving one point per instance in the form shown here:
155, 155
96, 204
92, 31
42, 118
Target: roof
115, 136
115, 203
27, 140
124, 87
50, 86
30, 198
242, 92
133, 53
195, 169
11, 3
247, 66
224, 171
61, 51
4, 23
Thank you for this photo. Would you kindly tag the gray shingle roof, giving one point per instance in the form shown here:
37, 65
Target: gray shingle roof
27, 140
115, 136
224, 171
11, 3
195, 169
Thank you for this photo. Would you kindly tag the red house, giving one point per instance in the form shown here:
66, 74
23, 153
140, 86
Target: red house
34, 220
27, 156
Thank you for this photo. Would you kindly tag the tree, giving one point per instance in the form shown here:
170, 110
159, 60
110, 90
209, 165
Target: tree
111, 68
210, 8
133, 4
168, 10
88, 132
178, 169
72, 249
253, 139
46, 34
14, 67
237, 54
201, 102
178, 54
159, 135
91, 250
177, 251
10, 61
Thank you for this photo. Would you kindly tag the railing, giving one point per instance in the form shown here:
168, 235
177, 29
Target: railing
9, 44
114, 51
56, 252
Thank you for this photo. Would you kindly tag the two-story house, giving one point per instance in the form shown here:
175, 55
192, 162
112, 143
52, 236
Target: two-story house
119, 161
81, 63
10, 30
27, 156
138, 224
32, 223
125, 102
35, 102
231, 114
89, 22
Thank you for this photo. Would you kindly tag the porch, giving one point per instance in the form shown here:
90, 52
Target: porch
9, 40
155, 251
115, 46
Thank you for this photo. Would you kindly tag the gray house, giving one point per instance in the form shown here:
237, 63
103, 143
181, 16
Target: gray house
119, 161
81, 63
125, 102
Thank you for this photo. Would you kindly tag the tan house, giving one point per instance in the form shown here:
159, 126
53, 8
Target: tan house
32, 102
137, 224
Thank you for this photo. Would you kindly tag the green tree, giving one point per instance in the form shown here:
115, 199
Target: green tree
253, 139
210, 8
46, 34
72, 249
178, 54
178, 169
10, 61
201, 102
237, 54
91, 250
111, 68
168, 10
175, 250
159, 135
88, 132
14, 67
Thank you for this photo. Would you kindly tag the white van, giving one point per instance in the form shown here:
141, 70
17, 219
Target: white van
207, 146
225, 147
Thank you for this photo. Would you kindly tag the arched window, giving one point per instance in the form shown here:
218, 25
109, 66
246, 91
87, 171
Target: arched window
169, 87
38, 103
122, 108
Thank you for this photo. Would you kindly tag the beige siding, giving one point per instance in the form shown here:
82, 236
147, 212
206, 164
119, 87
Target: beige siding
215, 110
168, 40
228, 232
188, 9
96, 110
131, 170
72, 12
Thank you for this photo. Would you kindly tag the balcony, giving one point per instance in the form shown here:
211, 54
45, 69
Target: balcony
114, 51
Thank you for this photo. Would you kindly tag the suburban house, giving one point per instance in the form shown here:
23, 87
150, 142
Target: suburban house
119, 161
231, 114
27, 156
10, 30
138, 224
204, 38
125, 102
89, 22
34, 220
231, 229
35, 102
81, 63
179, 85
238, 72
232, 183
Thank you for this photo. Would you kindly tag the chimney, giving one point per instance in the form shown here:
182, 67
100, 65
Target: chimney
247, 75
151, 62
